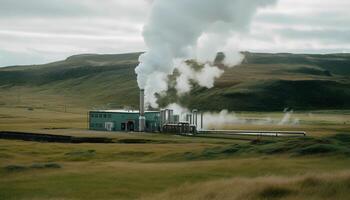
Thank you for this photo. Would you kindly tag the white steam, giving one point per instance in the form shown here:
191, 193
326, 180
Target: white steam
205, 77
191, 29
209, 44
179, 110
225, 118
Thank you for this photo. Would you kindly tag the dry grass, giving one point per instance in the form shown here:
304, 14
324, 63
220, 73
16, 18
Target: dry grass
131, 171
27, 109
315, 123
312, 186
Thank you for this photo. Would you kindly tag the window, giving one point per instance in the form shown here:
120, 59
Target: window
109, 116
100, 115
104, 116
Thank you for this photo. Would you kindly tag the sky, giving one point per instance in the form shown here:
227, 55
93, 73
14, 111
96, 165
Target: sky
42, 31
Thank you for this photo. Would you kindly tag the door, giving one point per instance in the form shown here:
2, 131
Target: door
123, 126
131, 126
109, 126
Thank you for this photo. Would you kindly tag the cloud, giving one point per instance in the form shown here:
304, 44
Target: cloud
314, 26
49, 30
39, 31
131, 9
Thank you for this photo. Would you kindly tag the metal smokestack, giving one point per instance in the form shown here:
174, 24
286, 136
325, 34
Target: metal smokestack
142, 119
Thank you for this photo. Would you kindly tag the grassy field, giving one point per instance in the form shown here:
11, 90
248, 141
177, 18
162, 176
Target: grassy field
312, 186
172, 167
31, 170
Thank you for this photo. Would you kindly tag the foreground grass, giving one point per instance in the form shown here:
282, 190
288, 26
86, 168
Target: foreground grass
311, 186
170, 167
31, 170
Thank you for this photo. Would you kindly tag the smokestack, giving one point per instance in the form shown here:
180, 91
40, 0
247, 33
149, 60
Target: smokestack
142, 119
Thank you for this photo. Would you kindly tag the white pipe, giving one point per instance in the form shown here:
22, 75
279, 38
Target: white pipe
142, 119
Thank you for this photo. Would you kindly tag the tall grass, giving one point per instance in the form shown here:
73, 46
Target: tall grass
311, 186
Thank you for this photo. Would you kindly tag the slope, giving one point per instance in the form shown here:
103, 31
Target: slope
262, 82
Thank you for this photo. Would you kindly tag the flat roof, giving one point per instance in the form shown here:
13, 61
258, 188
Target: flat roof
122, 111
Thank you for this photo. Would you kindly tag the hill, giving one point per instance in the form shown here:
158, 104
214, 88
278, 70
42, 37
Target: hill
262, 82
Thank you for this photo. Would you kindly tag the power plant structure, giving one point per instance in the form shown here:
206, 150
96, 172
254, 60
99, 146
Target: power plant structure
145, 121
164, 121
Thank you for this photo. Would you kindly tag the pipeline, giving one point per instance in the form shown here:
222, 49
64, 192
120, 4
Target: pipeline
254, 132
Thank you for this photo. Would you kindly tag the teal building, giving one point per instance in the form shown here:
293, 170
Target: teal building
122, 120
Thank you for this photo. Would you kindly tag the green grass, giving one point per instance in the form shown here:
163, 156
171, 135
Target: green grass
110, 171
100, 171
337, 145
156, 163
310, 186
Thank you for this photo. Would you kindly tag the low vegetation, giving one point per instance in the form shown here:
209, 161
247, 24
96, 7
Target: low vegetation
338, 144
17, 168
187, 168
320, 186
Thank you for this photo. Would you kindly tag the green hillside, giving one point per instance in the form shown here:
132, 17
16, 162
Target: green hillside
261, 82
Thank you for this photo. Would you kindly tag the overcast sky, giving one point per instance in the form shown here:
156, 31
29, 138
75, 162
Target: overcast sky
40, 31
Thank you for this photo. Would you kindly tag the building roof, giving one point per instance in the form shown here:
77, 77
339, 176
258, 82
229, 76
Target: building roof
122, 111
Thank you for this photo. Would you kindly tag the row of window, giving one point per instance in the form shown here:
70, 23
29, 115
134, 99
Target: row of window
101, 115
97, 125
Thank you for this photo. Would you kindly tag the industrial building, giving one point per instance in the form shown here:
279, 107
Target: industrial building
164, 121
143, 121
129, 121
122, 120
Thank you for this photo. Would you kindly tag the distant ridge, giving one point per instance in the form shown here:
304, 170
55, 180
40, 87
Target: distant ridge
262, 82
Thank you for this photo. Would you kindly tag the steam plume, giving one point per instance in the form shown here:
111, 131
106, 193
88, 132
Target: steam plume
225, 118
182, 29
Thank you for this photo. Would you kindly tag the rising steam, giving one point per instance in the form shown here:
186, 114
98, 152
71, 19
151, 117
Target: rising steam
178, 30
224, 118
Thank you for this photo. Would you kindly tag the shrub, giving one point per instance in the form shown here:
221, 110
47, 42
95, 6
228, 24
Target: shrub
274, 192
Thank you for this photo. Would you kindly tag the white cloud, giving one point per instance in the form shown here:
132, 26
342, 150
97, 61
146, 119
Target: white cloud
313, 26
39, 31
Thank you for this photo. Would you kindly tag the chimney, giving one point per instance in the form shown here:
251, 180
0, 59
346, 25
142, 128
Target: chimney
142, 119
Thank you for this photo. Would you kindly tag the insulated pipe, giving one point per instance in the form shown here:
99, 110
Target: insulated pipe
171, 116
162, 117
142, 102
201, 121
142, 119
194, 116
189, 118
168, 116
